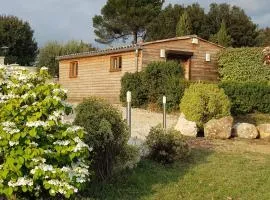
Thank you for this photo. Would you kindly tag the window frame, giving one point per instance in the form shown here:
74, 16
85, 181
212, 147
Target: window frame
116, 63
73, 71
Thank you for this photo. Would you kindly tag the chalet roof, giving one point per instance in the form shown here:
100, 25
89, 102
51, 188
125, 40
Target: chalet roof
127, 48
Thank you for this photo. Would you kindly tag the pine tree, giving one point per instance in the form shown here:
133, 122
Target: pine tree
184, 25
121, 19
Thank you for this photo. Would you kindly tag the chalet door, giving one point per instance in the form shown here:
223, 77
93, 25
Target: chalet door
186, 66
183, 60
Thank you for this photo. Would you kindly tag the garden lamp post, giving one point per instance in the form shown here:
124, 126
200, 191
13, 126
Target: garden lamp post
129, 111
164, 112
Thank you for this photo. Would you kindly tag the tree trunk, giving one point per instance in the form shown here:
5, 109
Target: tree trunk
135, 37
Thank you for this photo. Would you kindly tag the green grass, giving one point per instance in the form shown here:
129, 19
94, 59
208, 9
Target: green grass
208, 174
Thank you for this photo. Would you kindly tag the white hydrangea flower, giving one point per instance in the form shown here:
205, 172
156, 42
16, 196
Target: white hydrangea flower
80, 145
22, 181
37, 160
44, 167
56, 115
57, 98
44, 68
11, 143
62, 185
59, 90
74, 129
62, 142
34, 144
37, 124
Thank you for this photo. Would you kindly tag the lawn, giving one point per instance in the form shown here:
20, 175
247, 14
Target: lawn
232, 169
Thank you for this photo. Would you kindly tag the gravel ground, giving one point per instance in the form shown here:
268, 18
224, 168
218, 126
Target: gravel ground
142, 121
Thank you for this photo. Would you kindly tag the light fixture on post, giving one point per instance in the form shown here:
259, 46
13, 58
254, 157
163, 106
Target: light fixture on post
207, 57
195, 41
162, 53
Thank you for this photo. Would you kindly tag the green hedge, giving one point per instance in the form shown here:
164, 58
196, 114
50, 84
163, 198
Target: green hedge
156, 80
247, 97
243, 64
134, 82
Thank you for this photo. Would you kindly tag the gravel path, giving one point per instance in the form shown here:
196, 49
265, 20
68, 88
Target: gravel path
142, 121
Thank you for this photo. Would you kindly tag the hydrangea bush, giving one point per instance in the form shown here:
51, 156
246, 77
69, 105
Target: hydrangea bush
39, 154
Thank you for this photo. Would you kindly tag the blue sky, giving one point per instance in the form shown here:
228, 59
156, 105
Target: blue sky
63, 20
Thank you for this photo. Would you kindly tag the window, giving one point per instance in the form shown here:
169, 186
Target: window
116, 64
73, 69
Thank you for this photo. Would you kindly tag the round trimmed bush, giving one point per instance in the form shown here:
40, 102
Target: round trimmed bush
166, 146
107, 133
202, 102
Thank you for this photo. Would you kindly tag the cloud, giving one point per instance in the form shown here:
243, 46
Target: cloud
63, 20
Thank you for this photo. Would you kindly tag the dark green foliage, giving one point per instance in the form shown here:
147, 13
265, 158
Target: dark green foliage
123, 18
264, 37
166, 146
18, 36
107, 133
158, 77
184, 25
202, 102
164, 26
222, 37
156, 80
133, 82
243, 64
48, 53
240, 27
248, 97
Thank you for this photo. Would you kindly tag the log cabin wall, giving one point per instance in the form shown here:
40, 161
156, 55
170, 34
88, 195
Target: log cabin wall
200, 69
96, 79
94, 76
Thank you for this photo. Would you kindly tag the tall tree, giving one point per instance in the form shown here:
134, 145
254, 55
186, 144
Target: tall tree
164, 26
123, 18
17, 35
184, 25
197, 18
47, 54
222, 37
264, 37
240, 27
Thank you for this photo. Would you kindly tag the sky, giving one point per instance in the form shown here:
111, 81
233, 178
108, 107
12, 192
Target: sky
63, 20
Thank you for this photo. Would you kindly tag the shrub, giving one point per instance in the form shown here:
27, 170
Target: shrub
133, 82
41, 156
243, 64
107, 133
203, 102
247, 97
157, 77
166, 146
156, 80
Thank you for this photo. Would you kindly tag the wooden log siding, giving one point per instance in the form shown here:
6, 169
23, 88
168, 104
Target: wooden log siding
199, 68
95, 79
94, 76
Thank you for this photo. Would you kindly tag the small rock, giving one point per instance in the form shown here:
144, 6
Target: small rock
219, 128
264, 130
187, 128
245, 130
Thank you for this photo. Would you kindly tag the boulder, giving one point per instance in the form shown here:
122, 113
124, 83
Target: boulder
219, 128
245, 130
264, 130
187, 128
